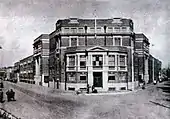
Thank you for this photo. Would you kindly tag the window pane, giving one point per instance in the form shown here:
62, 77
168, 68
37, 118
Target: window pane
81, 30
71, 60
92, 30
73, 41
111, 78
97, 61
83, 78
109, 30
99, 30
66, 30
73, 30
111, 60
122, 60
117, 41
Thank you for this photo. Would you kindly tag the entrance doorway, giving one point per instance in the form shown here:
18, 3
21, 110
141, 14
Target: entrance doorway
97, 79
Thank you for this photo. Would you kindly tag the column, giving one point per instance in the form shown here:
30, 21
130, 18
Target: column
153, 68
36, 67
105, 72
89, 70
146, 70
133, 70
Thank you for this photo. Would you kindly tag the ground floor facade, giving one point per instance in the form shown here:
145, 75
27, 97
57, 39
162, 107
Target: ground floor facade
106, 70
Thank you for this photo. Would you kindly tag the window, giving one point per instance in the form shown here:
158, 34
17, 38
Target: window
72, 77
117, 41
99, 30
122, 62
73, 42
111, 62
109, 30
71, 62
111, 78
66, 30
97, 61
82, 62
73, 30
82, 78
124, 28
92, 30
80, 30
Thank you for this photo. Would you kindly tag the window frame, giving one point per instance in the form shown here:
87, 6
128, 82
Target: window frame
114, 40
70, 39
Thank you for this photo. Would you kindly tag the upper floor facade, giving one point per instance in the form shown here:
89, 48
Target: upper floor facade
76, 32
26, 65
41, 45
142, 44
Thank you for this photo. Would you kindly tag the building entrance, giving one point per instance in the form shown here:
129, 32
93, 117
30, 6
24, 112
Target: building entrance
97, 79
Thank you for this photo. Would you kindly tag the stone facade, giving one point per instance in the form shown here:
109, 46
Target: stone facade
26, 72
41, 59
95, 52
16, 70
142, 49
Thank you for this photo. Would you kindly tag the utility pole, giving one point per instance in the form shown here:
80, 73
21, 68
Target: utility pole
95, 24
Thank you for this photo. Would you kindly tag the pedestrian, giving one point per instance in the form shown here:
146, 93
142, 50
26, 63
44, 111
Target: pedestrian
92, 88
1, 95
12, 94
8, 95
88, 87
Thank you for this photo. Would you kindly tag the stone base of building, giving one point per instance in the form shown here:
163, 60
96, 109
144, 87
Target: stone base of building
37, 80
146, 78
110, 87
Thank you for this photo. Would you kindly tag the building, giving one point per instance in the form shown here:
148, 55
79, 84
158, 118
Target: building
154, 69
98, 52
3, 73
9, 73
41, 57
26, 72
142, 50
16, 70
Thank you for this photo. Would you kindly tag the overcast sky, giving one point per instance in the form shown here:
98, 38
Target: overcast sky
21, 21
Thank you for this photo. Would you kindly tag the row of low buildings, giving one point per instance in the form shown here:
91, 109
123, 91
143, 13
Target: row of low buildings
104, 53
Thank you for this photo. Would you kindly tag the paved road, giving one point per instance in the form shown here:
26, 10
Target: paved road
143, 104
32, 106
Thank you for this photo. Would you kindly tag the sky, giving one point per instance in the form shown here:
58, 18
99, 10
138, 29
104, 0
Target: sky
21, 21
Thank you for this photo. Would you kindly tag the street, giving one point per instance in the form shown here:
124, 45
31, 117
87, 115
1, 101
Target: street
151, 103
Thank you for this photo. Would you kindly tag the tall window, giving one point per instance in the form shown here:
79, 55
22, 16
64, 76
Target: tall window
111, 62
117, 41
97, 61
82, 62
71, 62
73, 42
122, 62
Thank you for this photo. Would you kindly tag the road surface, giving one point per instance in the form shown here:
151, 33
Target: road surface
142, 104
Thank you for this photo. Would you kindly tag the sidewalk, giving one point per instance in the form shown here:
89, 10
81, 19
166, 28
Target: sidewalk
41, 89
50, 91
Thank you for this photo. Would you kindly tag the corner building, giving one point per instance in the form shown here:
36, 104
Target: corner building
98, 52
